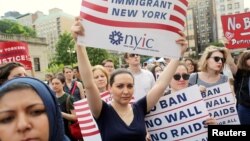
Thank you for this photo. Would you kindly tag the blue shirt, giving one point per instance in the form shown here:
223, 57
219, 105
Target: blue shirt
113, 128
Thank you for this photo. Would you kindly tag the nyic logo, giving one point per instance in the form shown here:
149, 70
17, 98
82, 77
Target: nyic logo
117, 38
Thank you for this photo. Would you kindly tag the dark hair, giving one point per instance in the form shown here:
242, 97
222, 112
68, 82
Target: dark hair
5, 70
76, 68
193, 63
60, 77
14, 87
107, 60
153, 70
242, 61
67, 67
117, 72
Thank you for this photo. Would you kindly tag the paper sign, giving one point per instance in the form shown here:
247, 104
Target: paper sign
139, 26
178, 116
221, 105
236, 29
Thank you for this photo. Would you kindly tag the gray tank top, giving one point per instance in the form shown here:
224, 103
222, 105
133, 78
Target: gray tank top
194, 79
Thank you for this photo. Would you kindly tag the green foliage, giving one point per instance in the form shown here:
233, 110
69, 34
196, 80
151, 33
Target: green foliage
55, 68
11, 27
218, 44
65, 52
115, 58
97, 55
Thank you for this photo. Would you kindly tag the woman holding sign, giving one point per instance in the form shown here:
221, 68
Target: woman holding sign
210, 65
180, 81
121, 120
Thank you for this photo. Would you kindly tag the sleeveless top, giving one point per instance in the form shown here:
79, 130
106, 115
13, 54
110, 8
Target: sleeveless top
76, 95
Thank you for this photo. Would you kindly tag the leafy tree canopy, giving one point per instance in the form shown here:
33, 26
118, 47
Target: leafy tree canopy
11, 27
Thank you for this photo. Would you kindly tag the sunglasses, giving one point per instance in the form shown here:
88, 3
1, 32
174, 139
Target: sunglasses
133, 55
217, 59
178, 76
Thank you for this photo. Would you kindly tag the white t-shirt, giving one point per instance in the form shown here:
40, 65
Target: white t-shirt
144, 81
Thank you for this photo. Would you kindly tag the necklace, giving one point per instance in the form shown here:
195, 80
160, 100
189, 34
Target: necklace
123, 114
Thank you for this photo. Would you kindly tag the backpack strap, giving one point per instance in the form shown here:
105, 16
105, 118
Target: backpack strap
196, 79
74, 88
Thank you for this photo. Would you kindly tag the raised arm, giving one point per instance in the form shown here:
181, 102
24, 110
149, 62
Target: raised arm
164, 79
92, 92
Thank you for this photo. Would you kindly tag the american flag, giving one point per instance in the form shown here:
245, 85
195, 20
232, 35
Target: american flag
97, 11
86, 121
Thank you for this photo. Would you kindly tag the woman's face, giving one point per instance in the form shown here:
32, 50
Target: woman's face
17, 72
122, 89
68, 74
181, 83
190, 66
100, 78
23, 117
57, 85
213, 63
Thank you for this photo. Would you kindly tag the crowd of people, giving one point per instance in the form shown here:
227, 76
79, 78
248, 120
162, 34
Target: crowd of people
31, 109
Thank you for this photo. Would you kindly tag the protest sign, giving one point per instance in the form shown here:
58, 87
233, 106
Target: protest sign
178, 116
236, 29
89, 128
135, 26
15, 52
221, 105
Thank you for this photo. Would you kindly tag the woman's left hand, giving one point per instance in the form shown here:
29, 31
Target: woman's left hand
183, 42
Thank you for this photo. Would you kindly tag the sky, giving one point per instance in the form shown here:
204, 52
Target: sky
31, 6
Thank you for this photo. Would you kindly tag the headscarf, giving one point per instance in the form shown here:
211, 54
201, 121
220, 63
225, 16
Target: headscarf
56, 127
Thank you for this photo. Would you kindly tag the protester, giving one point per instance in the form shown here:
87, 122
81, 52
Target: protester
121, 121
156, 70
108, 64
144, 79
101, 78
180, 81
210, 65
11, 70
65, 102
191, 65
29, 111
48, 79
242, 85
71, 86
77, 76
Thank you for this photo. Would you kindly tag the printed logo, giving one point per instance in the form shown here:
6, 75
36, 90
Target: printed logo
132, 41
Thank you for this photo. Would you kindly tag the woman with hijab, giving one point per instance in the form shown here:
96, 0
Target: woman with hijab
29, 111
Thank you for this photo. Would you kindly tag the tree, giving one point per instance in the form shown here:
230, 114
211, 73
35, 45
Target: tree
97, 55
11, 27
65, 52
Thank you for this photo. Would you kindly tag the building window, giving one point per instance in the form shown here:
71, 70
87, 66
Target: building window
222, 8
236, 5
229, 6
37, 64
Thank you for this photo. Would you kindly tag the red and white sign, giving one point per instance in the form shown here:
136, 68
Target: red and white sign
89, 128
144, 27
15, 52
237, 30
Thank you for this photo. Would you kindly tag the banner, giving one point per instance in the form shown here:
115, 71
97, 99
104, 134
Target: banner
15, 52
236, 29
178, 116
221, 104
135, 26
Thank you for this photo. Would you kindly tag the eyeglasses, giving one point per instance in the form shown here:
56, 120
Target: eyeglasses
133, 55
109, 66
178, 76
217, 59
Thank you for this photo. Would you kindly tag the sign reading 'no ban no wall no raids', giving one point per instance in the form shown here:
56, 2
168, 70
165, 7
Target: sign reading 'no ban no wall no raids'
147, 27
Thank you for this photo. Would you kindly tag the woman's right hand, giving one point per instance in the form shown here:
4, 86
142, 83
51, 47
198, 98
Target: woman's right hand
77, 28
